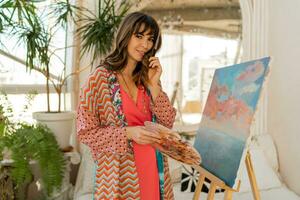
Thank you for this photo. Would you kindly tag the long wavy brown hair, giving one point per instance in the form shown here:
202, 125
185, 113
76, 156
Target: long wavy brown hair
130, 25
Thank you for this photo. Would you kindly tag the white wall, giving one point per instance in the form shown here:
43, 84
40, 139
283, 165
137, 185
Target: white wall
284, 87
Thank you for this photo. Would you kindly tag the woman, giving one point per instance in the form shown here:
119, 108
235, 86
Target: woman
119, 96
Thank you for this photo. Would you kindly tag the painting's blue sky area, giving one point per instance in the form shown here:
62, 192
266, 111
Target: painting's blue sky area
226, 76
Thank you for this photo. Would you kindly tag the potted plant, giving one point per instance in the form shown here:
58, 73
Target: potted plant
20, 145
20, 18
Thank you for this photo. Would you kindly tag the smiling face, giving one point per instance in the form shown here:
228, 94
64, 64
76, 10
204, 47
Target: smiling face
137, 39
139, 44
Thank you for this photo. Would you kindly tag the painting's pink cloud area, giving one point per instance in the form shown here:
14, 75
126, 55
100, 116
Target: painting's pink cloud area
252, 72
224, 110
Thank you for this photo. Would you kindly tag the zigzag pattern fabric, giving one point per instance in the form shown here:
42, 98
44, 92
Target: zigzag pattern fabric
101, 126
116, 179
97, 95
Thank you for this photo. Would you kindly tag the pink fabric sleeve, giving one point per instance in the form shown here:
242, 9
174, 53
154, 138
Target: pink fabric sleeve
163, 110
109, 139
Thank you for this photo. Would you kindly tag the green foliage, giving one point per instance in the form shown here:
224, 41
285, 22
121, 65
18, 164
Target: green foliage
97, 31
6, 113
16, 12
21, 19
37, 40
36, 142
27, 143
62, 10
28, 100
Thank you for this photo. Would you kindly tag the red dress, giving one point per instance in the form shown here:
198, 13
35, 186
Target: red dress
145, 157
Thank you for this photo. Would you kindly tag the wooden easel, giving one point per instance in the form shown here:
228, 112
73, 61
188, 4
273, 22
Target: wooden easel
216, 182
175, 98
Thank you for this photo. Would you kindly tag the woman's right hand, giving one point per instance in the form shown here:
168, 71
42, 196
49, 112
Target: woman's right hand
140, 135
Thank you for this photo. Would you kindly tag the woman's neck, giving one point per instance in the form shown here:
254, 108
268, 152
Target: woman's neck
129, 68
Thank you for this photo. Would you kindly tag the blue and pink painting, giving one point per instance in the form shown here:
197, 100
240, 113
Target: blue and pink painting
227, 117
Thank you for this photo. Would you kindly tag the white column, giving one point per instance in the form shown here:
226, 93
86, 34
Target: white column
255, 45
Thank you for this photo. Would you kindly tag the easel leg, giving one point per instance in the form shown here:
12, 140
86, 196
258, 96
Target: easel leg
199, 187
252, 179
228, 195
212, 191
214, 183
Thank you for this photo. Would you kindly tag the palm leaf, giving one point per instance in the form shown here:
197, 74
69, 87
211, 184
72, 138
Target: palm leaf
97, 32
62, 10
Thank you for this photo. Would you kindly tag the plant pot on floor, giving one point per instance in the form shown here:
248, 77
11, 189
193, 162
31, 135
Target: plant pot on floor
62, 124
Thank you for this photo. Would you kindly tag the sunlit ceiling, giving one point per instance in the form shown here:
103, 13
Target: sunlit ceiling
218, 18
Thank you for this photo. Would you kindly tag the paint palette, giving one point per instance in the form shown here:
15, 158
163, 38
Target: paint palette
173, 146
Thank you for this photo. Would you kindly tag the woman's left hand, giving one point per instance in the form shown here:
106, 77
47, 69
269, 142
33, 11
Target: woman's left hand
155, 71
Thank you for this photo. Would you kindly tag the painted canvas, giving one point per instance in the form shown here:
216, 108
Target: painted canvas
227, 117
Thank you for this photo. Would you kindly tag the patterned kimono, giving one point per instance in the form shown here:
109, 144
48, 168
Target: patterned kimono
101, 125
